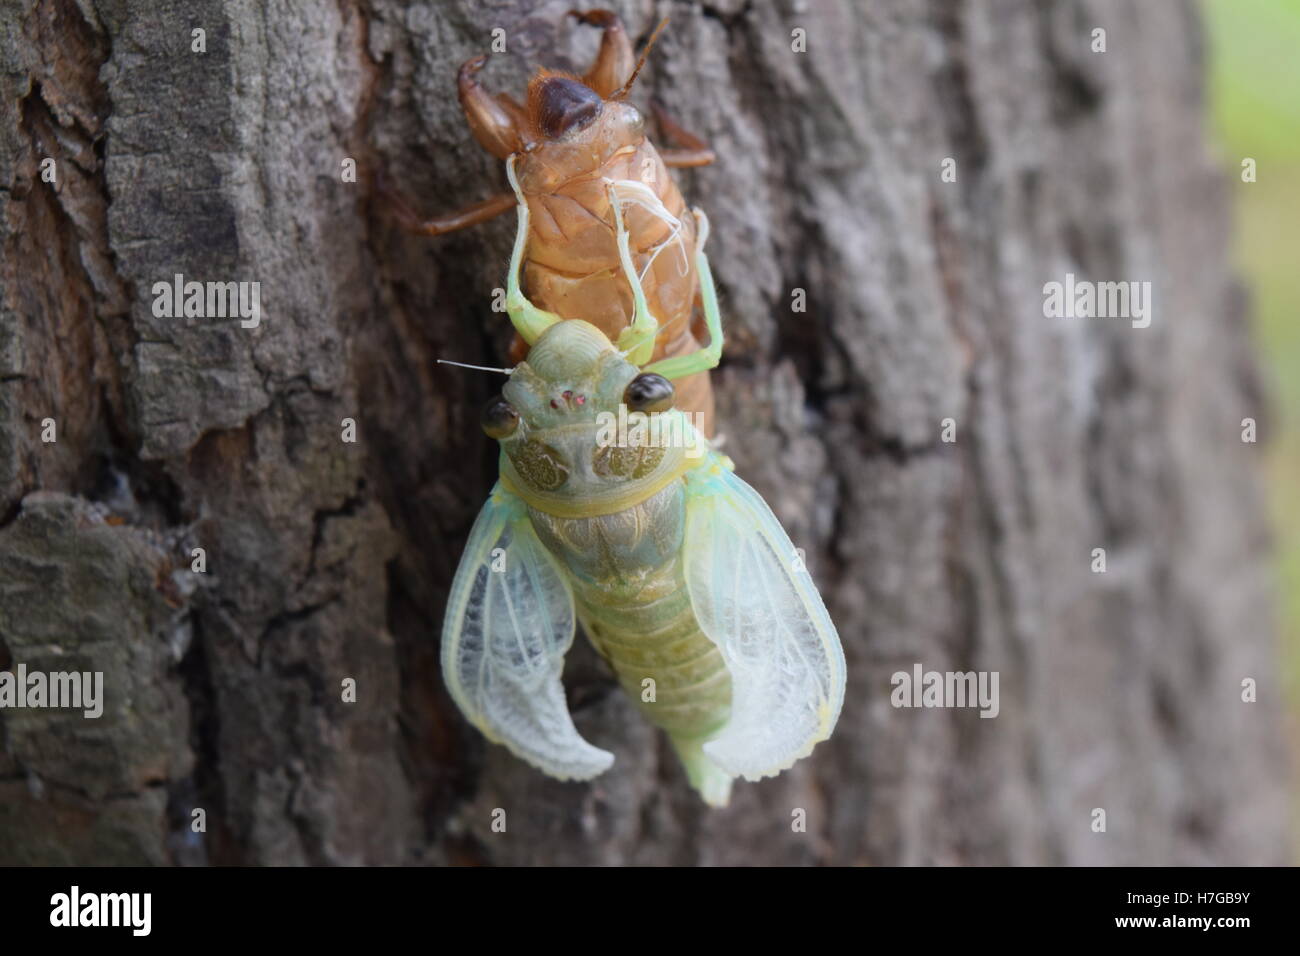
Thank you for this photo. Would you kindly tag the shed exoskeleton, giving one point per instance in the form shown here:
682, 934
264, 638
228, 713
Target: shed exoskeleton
569, 140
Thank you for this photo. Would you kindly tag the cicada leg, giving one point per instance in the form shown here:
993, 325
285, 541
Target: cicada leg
529, 321
708, 357
688, 149
614, 62
637, 341
493, 123
470, 215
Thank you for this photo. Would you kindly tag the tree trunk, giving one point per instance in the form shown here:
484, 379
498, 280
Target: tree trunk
328, 560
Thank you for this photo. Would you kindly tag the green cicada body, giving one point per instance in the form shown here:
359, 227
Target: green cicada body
681, 576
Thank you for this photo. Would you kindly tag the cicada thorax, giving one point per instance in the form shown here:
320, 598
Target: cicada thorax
572, 265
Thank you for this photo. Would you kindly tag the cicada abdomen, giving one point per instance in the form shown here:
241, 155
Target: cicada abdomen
574, 140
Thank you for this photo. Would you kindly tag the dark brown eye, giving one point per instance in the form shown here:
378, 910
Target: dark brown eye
499, 418
564, 105
648, 392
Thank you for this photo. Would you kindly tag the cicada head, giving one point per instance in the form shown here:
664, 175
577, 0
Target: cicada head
573, 128
572, 373
551, 416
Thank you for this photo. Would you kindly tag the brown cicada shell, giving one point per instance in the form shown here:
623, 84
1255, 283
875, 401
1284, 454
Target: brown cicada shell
572, 138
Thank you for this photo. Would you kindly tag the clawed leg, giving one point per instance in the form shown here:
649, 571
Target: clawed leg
708, 357
492, 123
614, 63
529, 321
470, 215
689, 150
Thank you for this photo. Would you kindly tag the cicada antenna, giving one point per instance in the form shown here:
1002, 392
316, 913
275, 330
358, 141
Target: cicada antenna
626, 88
480, 368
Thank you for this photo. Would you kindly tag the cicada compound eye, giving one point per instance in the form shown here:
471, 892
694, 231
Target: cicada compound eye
562, 105
499, 418
649, 392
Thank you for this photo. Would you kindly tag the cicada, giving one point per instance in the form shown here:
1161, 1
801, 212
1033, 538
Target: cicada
572, 138
682, 578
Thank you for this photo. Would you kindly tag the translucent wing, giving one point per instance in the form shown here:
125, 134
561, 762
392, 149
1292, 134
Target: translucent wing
509, 623
753, 599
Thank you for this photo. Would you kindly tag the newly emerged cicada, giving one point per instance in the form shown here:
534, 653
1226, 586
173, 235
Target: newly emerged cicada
682, 578
572, 137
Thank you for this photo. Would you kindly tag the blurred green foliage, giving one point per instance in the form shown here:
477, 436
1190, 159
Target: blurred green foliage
1254, 49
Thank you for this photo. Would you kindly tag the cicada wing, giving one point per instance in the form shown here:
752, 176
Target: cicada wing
753, 599
509, 624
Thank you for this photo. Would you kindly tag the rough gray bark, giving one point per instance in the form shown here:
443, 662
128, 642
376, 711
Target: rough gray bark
328, 560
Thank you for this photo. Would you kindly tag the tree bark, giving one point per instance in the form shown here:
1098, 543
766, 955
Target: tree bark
328, 560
